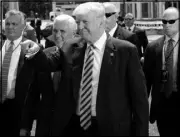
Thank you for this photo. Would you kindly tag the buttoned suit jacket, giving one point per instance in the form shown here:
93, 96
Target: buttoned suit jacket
121, 97
152, 69
124, 34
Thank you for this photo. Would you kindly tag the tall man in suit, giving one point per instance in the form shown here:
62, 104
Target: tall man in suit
141, 33
46, 84
16, 75
161, 67
116, 30
103, 85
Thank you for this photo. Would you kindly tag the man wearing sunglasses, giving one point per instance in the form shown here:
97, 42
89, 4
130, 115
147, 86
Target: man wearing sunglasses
162, 71
141, 33
115, 30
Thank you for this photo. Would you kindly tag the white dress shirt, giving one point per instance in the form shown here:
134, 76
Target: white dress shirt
175, 56
132, 28
98, 55
13, 65
112, 31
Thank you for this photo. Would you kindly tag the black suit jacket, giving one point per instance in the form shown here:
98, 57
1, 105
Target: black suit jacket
142, 37
40, 101
121, 90
152, 69
124, 34
24, 80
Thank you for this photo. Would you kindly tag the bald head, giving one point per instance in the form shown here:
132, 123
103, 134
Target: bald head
110, 7
129, 15
171, 28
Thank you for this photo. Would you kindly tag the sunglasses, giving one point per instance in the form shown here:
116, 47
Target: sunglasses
109, 14
128, 18
169, 21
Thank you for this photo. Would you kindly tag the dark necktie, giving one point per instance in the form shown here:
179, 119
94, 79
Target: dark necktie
5, 70
169, 67
129, 29
86, 91
56, 80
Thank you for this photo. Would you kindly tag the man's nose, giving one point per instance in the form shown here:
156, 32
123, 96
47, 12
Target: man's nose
81, 25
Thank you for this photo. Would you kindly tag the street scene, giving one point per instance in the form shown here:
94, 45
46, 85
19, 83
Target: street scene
89, 68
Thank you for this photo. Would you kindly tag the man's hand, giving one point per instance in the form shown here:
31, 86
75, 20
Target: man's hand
24, 132
30, 48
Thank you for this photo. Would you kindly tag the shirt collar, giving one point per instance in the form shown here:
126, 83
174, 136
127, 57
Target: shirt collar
99, 44
175, 38
16, 42
132, 27
113, 30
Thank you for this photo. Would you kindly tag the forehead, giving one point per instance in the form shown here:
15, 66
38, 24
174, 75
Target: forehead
109, 8
60, 24
13, 18
170, 14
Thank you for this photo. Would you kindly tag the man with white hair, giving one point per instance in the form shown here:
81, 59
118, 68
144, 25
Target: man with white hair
46, 84
115, 30
103, 76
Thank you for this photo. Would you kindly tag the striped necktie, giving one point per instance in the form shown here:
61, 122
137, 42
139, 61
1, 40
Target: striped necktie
169, 67
86, 91
5, 70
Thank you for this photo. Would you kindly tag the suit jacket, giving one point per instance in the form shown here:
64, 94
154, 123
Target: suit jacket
121, 90
142, 37
23, 83
40, 101
30, 33
124, 34
152, 69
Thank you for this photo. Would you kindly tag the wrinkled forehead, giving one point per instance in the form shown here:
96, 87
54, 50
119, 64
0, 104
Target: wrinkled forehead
60, 24
13, 19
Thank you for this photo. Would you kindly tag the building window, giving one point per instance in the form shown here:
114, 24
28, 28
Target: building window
144, 10
155, 9
129, 8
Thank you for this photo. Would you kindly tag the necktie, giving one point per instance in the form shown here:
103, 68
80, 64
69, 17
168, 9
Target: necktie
56, 80
86, 91
169, 67
129, 29
5, 70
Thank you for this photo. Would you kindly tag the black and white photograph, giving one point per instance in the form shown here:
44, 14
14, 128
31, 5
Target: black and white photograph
89, 68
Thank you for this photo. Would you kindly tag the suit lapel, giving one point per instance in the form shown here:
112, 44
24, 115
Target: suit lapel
21, 58
178, 73
107, 64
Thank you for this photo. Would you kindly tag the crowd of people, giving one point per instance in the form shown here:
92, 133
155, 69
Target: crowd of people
93, 76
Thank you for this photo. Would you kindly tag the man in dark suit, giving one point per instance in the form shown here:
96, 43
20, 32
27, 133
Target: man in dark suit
46, 84
141, 33
103, 85
116, 30
16, 74
38, 23
161, 68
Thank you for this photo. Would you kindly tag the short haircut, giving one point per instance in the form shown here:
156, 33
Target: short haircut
69, 19
95, 7
15, 12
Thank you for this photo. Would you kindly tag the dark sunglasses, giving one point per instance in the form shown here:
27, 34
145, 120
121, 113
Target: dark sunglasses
169, 21
128, 18
109, 14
